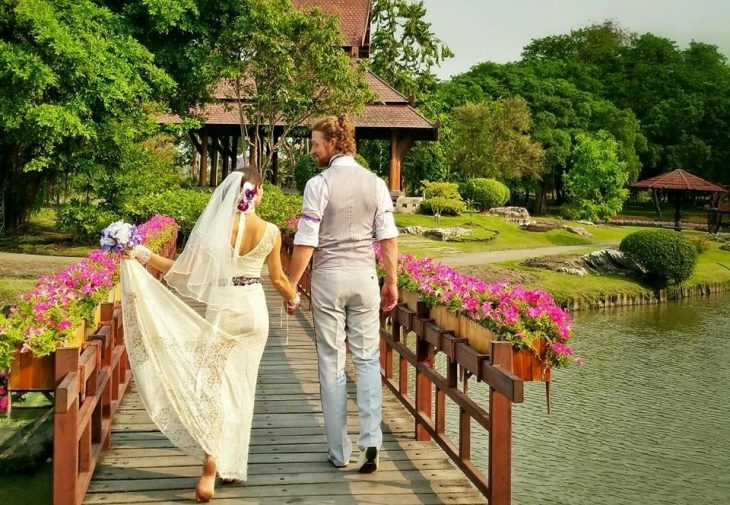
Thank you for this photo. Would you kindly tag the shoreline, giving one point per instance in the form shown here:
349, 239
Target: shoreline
648, 298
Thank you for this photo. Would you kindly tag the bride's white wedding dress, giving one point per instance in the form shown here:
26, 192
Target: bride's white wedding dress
197, 376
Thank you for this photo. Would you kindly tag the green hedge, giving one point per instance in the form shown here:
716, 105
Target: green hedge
185, 205
278, 207
668, 258
84, 220
485, 193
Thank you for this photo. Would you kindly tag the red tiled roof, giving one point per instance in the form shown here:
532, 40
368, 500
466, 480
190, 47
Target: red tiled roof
354, 16
385, 94
374, 116
679, 179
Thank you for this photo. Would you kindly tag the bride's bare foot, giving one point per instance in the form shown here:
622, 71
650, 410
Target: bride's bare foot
205, 489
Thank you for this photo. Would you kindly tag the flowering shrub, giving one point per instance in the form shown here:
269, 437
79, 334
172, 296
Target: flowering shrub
48, 315
157, 231
291, 224
513, 313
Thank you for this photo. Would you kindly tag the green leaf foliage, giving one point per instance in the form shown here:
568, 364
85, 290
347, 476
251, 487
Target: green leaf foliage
596, 184
668, 258
442, 198
72, 88
276, 207
485, 193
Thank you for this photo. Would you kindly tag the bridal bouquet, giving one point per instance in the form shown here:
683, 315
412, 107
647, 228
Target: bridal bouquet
119, 236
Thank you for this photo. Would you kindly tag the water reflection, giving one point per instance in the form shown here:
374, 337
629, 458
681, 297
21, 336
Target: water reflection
646, 421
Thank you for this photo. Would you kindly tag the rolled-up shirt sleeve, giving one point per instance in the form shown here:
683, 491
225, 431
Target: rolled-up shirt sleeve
313, 205
384, 222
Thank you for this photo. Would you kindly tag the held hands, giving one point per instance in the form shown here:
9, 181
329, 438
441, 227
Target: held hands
292, 305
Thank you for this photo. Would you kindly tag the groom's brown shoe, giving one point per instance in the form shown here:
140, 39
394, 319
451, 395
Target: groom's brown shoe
368, 461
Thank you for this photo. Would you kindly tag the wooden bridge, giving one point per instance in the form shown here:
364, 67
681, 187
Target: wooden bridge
125, 459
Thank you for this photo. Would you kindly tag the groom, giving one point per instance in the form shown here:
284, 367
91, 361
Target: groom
345, 209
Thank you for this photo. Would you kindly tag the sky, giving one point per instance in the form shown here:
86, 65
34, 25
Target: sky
497, 30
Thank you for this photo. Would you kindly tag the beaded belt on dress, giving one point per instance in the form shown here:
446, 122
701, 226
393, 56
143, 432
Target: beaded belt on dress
246, 281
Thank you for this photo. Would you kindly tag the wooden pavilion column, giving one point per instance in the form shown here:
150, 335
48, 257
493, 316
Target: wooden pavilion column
234, 152
225, 156
203, 173
400, 144
215, 141
275, 163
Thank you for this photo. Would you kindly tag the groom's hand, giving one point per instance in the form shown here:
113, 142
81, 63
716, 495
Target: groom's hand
388, 297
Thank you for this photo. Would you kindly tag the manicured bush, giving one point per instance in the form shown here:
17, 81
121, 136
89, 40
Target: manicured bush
666, 256
185, 205
84, 220
442, 198
485, 193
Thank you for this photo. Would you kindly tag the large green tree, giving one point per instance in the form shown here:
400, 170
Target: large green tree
681, 97
492, 140
596, 185
286, 67
72, 88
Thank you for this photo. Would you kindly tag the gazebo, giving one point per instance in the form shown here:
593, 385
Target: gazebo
678, 183
389, 117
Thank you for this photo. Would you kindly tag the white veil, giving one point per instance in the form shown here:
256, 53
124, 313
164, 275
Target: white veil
205, 268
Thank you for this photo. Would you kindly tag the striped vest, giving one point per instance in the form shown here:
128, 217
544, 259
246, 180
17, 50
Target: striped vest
347, 230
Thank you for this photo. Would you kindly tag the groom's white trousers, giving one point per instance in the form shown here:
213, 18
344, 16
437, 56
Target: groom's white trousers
346, 304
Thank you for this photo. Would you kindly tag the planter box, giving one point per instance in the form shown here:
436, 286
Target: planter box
29, 373
478, 337
529, 366
409, 298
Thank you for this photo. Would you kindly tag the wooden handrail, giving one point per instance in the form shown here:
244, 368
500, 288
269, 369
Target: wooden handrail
91, 383
430, 420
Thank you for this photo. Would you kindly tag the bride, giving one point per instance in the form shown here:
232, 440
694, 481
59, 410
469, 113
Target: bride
197, 376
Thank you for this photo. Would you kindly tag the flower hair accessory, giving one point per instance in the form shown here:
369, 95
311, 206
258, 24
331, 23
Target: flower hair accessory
248, 195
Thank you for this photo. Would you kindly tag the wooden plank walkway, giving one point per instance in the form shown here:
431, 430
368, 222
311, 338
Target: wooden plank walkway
288, 460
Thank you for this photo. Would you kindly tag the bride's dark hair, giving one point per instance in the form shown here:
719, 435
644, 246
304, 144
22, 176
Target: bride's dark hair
250, 174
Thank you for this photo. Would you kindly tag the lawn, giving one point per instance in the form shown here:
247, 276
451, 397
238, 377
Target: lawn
508, 235
9, 289
40, 236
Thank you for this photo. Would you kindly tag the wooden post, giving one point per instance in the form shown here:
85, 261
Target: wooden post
500, 433
234, 153
400, 144
423, 384
394, 167
275, 164
214, 162
203, 173
65, 427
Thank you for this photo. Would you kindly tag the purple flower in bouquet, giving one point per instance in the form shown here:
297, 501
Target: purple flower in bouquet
119, 236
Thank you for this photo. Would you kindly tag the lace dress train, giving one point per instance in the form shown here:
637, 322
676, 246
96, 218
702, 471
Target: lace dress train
197, 376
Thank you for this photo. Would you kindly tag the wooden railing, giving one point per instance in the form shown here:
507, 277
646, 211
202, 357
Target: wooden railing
494, 369
430, 420
93, 380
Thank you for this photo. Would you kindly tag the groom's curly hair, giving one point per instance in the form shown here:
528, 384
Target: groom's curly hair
339, 128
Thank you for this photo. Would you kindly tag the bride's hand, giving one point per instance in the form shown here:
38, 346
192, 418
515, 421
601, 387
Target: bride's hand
292, 305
